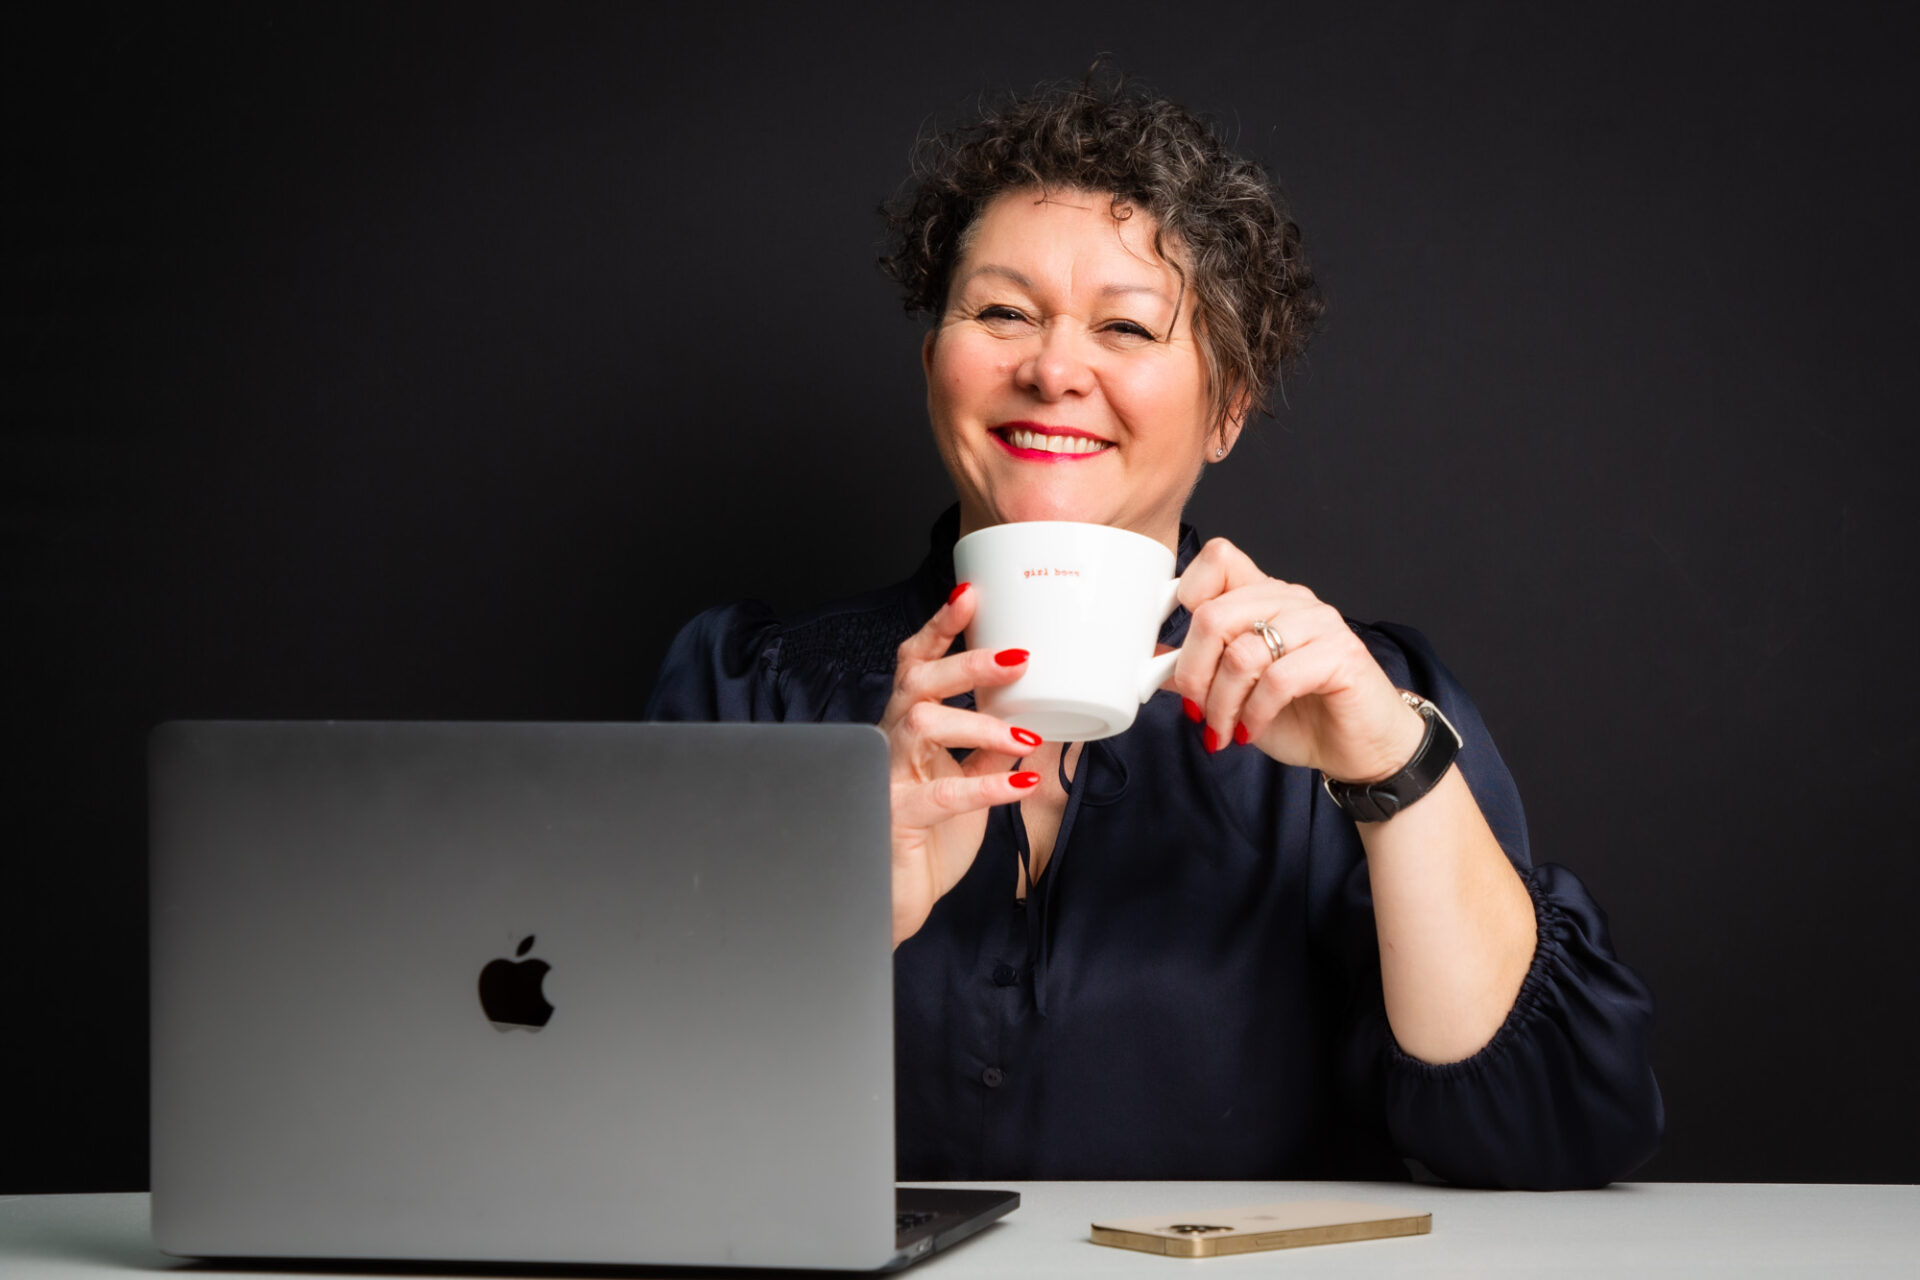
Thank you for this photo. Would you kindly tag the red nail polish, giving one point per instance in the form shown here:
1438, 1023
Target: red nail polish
955, 593
1010, 657
1210, 740
1240, 734
1025, 779
1025, 737
1192, 709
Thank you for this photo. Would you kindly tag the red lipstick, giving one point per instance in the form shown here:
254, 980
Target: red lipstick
1004, 434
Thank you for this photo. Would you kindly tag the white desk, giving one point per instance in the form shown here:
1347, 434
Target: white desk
1636, 1231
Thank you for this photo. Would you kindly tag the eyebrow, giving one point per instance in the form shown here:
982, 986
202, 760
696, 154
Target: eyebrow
1020, 278
1008, 273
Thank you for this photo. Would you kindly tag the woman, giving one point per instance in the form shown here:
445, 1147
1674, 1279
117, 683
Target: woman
1175, 953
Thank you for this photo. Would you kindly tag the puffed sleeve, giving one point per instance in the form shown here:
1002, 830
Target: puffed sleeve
1563, 1095
722, 666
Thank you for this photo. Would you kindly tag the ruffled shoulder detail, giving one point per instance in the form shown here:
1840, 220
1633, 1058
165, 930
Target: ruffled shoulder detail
740, 662
722, 666
858, 637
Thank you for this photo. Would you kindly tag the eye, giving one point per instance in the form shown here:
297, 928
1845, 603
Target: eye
998, 313
1130, 329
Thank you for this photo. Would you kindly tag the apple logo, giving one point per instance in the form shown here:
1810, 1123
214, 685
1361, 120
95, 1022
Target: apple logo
510, 992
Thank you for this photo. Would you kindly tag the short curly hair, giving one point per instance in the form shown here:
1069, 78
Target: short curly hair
1238, 247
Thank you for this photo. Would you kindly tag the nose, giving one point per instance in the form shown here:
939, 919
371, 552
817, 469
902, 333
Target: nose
1057, 367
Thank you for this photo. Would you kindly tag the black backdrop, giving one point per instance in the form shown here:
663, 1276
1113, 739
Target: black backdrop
439, 363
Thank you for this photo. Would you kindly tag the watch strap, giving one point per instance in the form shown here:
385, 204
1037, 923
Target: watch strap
1378, 801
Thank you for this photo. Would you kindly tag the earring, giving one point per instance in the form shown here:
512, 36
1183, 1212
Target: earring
1219, 452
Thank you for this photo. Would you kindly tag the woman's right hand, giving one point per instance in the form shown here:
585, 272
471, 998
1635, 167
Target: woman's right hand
940, 804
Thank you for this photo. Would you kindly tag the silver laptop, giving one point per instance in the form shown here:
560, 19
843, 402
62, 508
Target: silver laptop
555, 993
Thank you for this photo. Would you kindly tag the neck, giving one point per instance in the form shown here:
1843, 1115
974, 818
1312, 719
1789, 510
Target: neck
973, 522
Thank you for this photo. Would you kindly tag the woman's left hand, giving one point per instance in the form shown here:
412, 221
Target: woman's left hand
1323, 704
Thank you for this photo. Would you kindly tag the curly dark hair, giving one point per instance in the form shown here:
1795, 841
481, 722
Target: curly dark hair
1236, 245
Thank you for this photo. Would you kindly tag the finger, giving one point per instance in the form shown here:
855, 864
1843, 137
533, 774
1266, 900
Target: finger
1239, 664
936, 637
936, 726
1306, 669
928, 804
1219, 568
953, 675
1242, 665
1219, 622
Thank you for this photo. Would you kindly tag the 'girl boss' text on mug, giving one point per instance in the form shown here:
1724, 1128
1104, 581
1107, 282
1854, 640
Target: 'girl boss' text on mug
1086, 601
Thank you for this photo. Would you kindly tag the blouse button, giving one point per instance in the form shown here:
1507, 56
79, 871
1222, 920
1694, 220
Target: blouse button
1005, 975
992, 1077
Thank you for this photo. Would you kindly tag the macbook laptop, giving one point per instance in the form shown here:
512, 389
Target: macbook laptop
543, 993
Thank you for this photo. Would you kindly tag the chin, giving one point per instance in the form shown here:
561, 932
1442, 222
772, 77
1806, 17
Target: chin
1049, 507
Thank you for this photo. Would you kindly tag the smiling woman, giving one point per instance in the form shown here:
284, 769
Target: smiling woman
1065, 379
1306, 937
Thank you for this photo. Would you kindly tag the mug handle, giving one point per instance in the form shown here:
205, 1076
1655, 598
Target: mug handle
1159, 667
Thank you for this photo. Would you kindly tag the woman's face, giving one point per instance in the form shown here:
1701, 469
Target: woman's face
1065, 381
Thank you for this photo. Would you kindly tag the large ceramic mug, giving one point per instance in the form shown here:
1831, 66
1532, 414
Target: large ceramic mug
1086, 601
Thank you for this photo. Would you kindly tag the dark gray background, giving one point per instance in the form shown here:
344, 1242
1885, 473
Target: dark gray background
440, 364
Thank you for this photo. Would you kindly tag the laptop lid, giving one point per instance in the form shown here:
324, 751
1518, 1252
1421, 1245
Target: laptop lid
705, 909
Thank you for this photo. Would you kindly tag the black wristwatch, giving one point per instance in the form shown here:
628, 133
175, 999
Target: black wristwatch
1378, 801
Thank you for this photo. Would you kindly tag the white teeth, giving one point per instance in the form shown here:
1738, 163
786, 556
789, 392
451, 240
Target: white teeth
1055, 444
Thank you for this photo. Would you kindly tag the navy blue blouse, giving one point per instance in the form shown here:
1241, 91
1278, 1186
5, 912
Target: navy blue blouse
1192, 987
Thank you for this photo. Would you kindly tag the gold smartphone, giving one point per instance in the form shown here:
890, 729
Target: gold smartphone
1262, 1226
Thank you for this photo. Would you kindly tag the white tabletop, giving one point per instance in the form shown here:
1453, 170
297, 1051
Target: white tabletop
1635, 1230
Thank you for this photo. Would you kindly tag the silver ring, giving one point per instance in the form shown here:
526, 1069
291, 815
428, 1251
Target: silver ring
1266, 631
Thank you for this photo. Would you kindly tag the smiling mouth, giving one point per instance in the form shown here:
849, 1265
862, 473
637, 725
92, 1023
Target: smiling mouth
1026, 441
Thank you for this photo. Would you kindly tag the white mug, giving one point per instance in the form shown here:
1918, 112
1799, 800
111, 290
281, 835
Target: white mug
1086, 602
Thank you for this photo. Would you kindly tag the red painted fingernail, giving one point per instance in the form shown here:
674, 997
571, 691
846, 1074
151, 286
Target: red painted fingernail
955, 593
1192, 709
1025, 737
1025, 779
1210, 740
1010, 657
1240, 734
